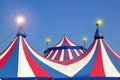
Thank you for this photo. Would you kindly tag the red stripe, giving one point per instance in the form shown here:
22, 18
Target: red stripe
98, 69
59, 55
67, 55
37, 69
75, 54
7, 56
67, 43
111, 51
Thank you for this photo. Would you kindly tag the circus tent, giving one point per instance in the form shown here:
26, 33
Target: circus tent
100, 60
20, 60
64, 50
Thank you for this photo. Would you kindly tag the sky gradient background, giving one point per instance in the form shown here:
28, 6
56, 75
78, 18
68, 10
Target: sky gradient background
56, 18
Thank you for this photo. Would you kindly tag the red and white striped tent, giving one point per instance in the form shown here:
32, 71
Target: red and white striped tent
100, 60
65, 50
20, 60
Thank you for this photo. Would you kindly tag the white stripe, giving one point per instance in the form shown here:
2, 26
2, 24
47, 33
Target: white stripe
55, 55
72, 44
81, 51
60, 43
24, 69
78, 54
110, 70
76, 67
49, 54
3, 54
112, 50
69, 70
70, 54
62, 55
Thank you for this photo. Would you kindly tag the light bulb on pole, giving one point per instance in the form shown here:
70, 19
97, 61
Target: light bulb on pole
20, 21
48, 40
99, 22
84, 40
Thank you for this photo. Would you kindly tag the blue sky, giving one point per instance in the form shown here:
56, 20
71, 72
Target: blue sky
56, 18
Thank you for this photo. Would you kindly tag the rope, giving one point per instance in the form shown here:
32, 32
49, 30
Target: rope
62, 33
7, 38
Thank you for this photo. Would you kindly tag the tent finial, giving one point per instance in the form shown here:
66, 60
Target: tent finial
20, 20
84, 40
99, 23
47, 41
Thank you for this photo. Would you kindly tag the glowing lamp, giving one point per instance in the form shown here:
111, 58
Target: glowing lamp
84, 39
99, 22
20, 20
48, 40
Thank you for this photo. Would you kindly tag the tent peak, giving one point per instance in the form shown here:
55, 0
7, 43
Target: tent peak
98, 35
20, 32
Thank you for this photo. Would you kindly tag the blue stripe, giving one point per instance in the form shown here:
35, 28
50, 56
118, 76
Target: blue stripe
73, 78
66, 47
115, 62
50, 54
10, 69
73, 55
56, 55
85, 72
50, 70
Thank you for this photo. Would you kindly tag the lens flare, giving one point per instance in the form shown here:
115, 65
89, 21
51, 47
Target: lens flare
20, 20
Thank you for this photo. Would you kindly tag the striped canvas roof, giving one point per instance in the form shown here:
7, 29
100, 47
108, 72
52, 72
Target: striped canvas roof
21, 60
64, 50
100, 60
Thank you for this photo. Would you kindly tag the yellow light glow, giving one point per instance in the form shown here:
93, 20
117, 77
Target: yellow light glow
99, 22
84, 39
48, 40
20, 20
